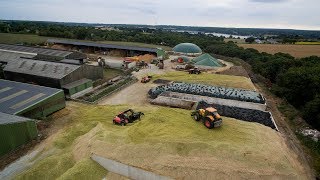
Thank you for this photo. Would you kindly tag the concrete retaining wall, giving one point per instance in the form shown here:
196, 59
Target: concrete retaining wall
210, 91
173, 102
126, 170
212, 100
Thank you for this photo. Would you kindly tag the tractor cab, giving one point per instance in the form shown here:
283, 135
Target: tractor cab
213, 112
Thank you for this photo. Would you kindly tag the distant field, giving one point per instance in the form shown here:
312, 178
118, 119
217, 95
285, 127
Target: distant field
35, 39
308, 43
295, 50
21, 38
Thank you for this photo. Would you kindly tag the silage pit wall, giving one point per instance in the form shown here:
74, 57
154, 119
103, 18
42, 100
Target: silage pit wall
212, 100
210, 91
173, 102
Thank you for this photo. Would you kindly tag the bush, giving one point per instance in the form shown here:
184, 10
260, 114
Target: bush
311, 113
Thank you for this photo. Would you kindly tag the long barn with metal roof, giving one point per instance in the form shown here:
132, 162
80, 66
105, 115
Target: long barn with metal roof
6, 56
43, 52
29, 100
130, 50
52, 74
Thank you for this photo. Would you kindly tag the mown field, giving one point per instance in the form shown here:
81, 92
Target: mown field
22, 38
35, 39
297, 51
166, 141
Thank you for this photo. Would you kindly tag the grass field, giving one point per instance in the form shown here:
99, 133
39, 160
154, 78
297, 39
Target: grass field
22, 38
35, 39
297, 51
210, 79
166, 141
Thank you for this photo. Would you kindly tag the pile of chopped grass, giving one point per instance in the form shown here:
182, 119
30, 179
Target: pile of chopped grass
85, 169
166, 130
50, 167
209, 79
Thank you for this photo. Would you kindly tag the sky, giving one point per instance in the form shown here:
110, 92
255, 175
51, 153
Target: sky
283, 14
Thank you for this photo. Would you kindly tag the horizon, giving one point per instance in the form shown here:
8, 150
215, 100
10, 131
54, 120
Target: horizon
275, 14
97, 23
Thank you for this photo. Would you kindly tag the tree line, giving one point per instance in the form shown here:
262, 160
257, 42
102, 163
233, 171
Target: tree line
296, 80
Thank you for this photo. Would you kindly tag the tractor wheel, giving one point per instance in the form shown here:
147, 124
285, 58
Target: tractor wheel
208, 123
196, 117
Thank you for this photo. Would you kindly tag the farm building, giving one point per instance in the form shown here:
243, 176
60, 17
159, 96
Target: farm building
207, 60
49, 74
28, 100
45, 53
188, 49
91, 47
6, 56
77, 88
15, 131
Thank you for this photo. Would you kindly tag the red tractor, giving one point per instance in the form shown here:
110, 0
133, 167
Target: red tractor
146, 79
128, 116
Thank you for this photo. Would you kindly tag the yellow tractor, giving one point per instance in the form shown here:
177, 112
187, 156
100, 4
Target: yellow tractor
208, 116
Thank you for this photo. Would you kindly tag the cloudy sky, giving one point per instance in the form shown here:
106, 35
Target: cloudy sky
295, 14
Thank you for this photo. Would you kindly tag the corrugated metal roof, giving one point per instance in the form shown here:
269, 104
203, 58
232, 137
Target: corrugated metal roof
11, 119
6, 56
101, 45
44, 51
71, 61
40, 68
15, 96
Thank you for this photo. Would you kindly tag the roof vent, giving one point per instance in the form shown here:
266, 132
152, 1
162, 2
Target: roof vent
22, 64
33, 65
